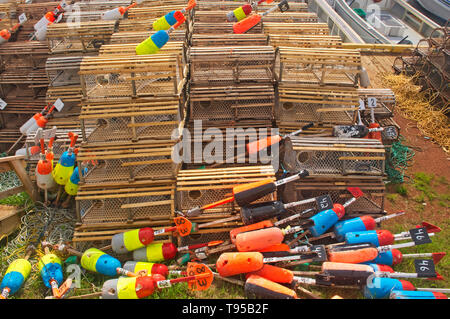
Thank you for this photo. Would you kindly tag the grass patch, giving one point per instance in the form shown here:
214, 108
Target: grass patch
402, 190
392, 197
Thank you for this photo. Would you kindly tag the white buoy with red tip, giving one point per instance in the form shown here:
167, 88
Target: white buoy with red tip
118, 13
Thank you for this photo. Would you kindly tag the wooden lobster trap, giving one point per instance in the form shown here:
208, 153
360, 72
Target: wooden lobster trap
121, 162
291, 17
70, 94
15, 84
85, 37
63, 71
129, 49
229, 141
305, 41
232, 5
220, 65
144, 25
334, 156
112, 77
219, 40
132, 120
373, 188
139, 36
153, 13
385, 100
130, 204
318, 66
23, 56
232, 103
280, 28
8, 12
218, 28
101, 5
320, 105
196, 188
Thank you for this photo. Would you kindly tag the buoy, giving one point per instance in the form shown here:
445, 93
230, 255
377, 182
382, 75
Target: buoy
154, 43
155, 252
96, 260
264, 288
150, 268
16, 274
50, 268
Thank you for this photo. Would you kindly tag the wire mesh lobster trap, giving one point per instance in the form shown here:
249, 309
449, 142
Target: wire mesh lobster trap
219, 65
131, 204
70, 94
101, 5
305, 41
336, 186
334, 156
112, 77
280, 28
123, 162
8, 12
385, 102
318, 66
223, 145
133, 120
232, 103
82, 37
320, 105
218, 40
196, 188
63, 71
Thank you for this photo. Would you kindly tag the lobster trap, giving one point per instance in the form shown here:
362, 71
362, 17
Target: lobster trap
139, 36
220, 65
334, 156
196, 188
218, 28
134, 120
82, 37
132, 205
221, 144
70, 94
122, 162
63, 71
153, 13
385, 102
111, 77
318, 66
336, 186
129, 49
320, 105
23, 56
305, 41
285, 29
218, 40
144, 25
232, 103
231, 5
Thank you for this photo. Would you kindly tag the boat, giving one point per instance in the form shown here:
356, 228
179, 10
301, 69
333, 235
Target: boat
440, 8
377, 22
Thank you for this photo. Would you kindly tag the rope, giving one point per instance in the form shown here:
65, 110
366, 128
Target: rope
398, 161
417, 106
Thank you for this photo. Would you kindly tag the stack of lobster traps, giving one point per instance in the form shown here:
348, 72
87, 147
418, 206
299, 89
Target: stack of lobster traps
137, 105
